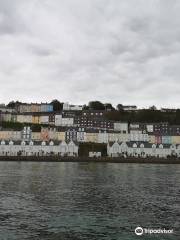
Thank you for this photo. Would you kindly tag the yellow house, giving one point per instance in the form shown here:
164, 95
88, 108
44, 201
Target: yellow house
35, 107
116, 136
175, 139
36, 119
6, 134
92, 137
152, 139
36, 136
60, 136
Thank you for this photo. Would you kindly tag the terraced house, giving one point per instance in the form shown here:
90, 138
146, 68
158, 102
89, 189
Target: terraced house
37, 148
142, 149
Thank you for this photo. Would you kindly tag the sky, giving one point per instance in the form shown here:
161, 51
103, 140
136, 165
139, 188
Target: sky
118, 51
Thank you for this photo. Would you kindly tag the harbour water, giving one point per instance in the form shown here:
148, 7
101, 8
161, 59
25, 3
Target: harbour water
80, 201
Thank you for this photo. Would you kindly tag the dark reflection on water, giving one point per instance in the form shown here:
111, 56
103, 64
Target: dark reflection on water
87, 200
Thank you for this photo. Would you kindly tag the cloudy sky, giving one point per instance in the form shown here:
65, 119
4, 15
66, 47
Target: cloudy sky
118, 51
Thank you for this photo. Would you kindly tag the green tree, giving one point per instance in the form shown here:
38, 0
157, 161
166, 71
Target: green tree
119, 107
153, 108
57, 106
108, 107
13, 104
85, 107
96, 105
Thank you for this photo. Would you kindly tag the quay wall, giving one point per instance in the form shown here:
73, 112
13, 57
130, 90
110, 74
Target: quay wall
88, 159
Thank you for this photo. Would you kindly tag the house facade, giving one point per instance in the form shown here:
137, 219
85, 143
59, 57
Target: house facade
71, 134
67, 107
121, 127
142, 149
32, 148
81, 135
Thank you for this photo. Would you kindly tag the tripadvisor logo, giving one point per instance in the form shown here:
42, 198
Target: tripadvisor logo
140, 231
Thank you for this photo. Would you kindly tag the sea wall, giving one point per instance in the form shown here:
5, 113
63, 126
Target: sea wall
87, 159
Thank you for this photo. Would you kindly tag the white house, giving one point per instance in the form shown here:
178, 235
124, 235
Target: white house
81, 135
67, 122
60, 121
43, 148
142, 149
95, 154
138, 135
102, 137
120, 126
72, 149
150, 128
44, 119
67, 106
113, 149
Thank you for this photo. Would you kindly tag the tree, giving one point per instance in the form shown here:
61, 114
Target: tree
13, 104
119, 107
85, 107
153, 108
57, 106
96, 105
177, 117
108, 107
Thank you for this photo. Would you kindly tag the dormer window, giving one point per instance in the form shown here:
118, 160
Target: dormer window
23, 143
11, 143
2, 142
142, 145
134, 145
43, 143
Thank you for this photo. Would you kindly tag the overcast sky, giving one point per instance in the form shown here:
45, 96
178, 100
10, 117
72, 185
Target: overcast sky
118, 51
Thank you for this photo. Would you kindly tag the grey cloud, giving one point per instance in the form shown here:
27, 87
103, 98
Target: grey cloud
115, 51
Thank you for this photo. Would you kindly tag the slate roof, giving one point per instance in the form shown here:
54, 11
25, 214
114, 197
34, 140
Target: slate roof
146, 144
36, 143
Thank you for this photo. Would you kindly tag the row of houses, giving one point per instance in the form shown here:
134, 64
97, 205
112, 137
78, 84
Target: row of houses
86, 135
62, 148
63, 134
47, 118
38, 107
141, 149
34, 107
37, 148
93, 120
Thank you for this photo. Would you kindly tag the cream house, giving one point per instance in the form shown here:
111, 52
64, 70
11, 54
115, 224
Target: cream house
36, 136
60, 136
6, 134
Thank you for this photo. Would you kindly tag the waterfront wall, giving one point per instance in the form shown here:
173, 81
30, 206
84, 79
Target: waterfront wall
152, 160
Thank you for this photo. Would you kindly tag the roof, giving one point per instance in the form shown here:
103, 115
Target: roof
146, 144
38, 143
